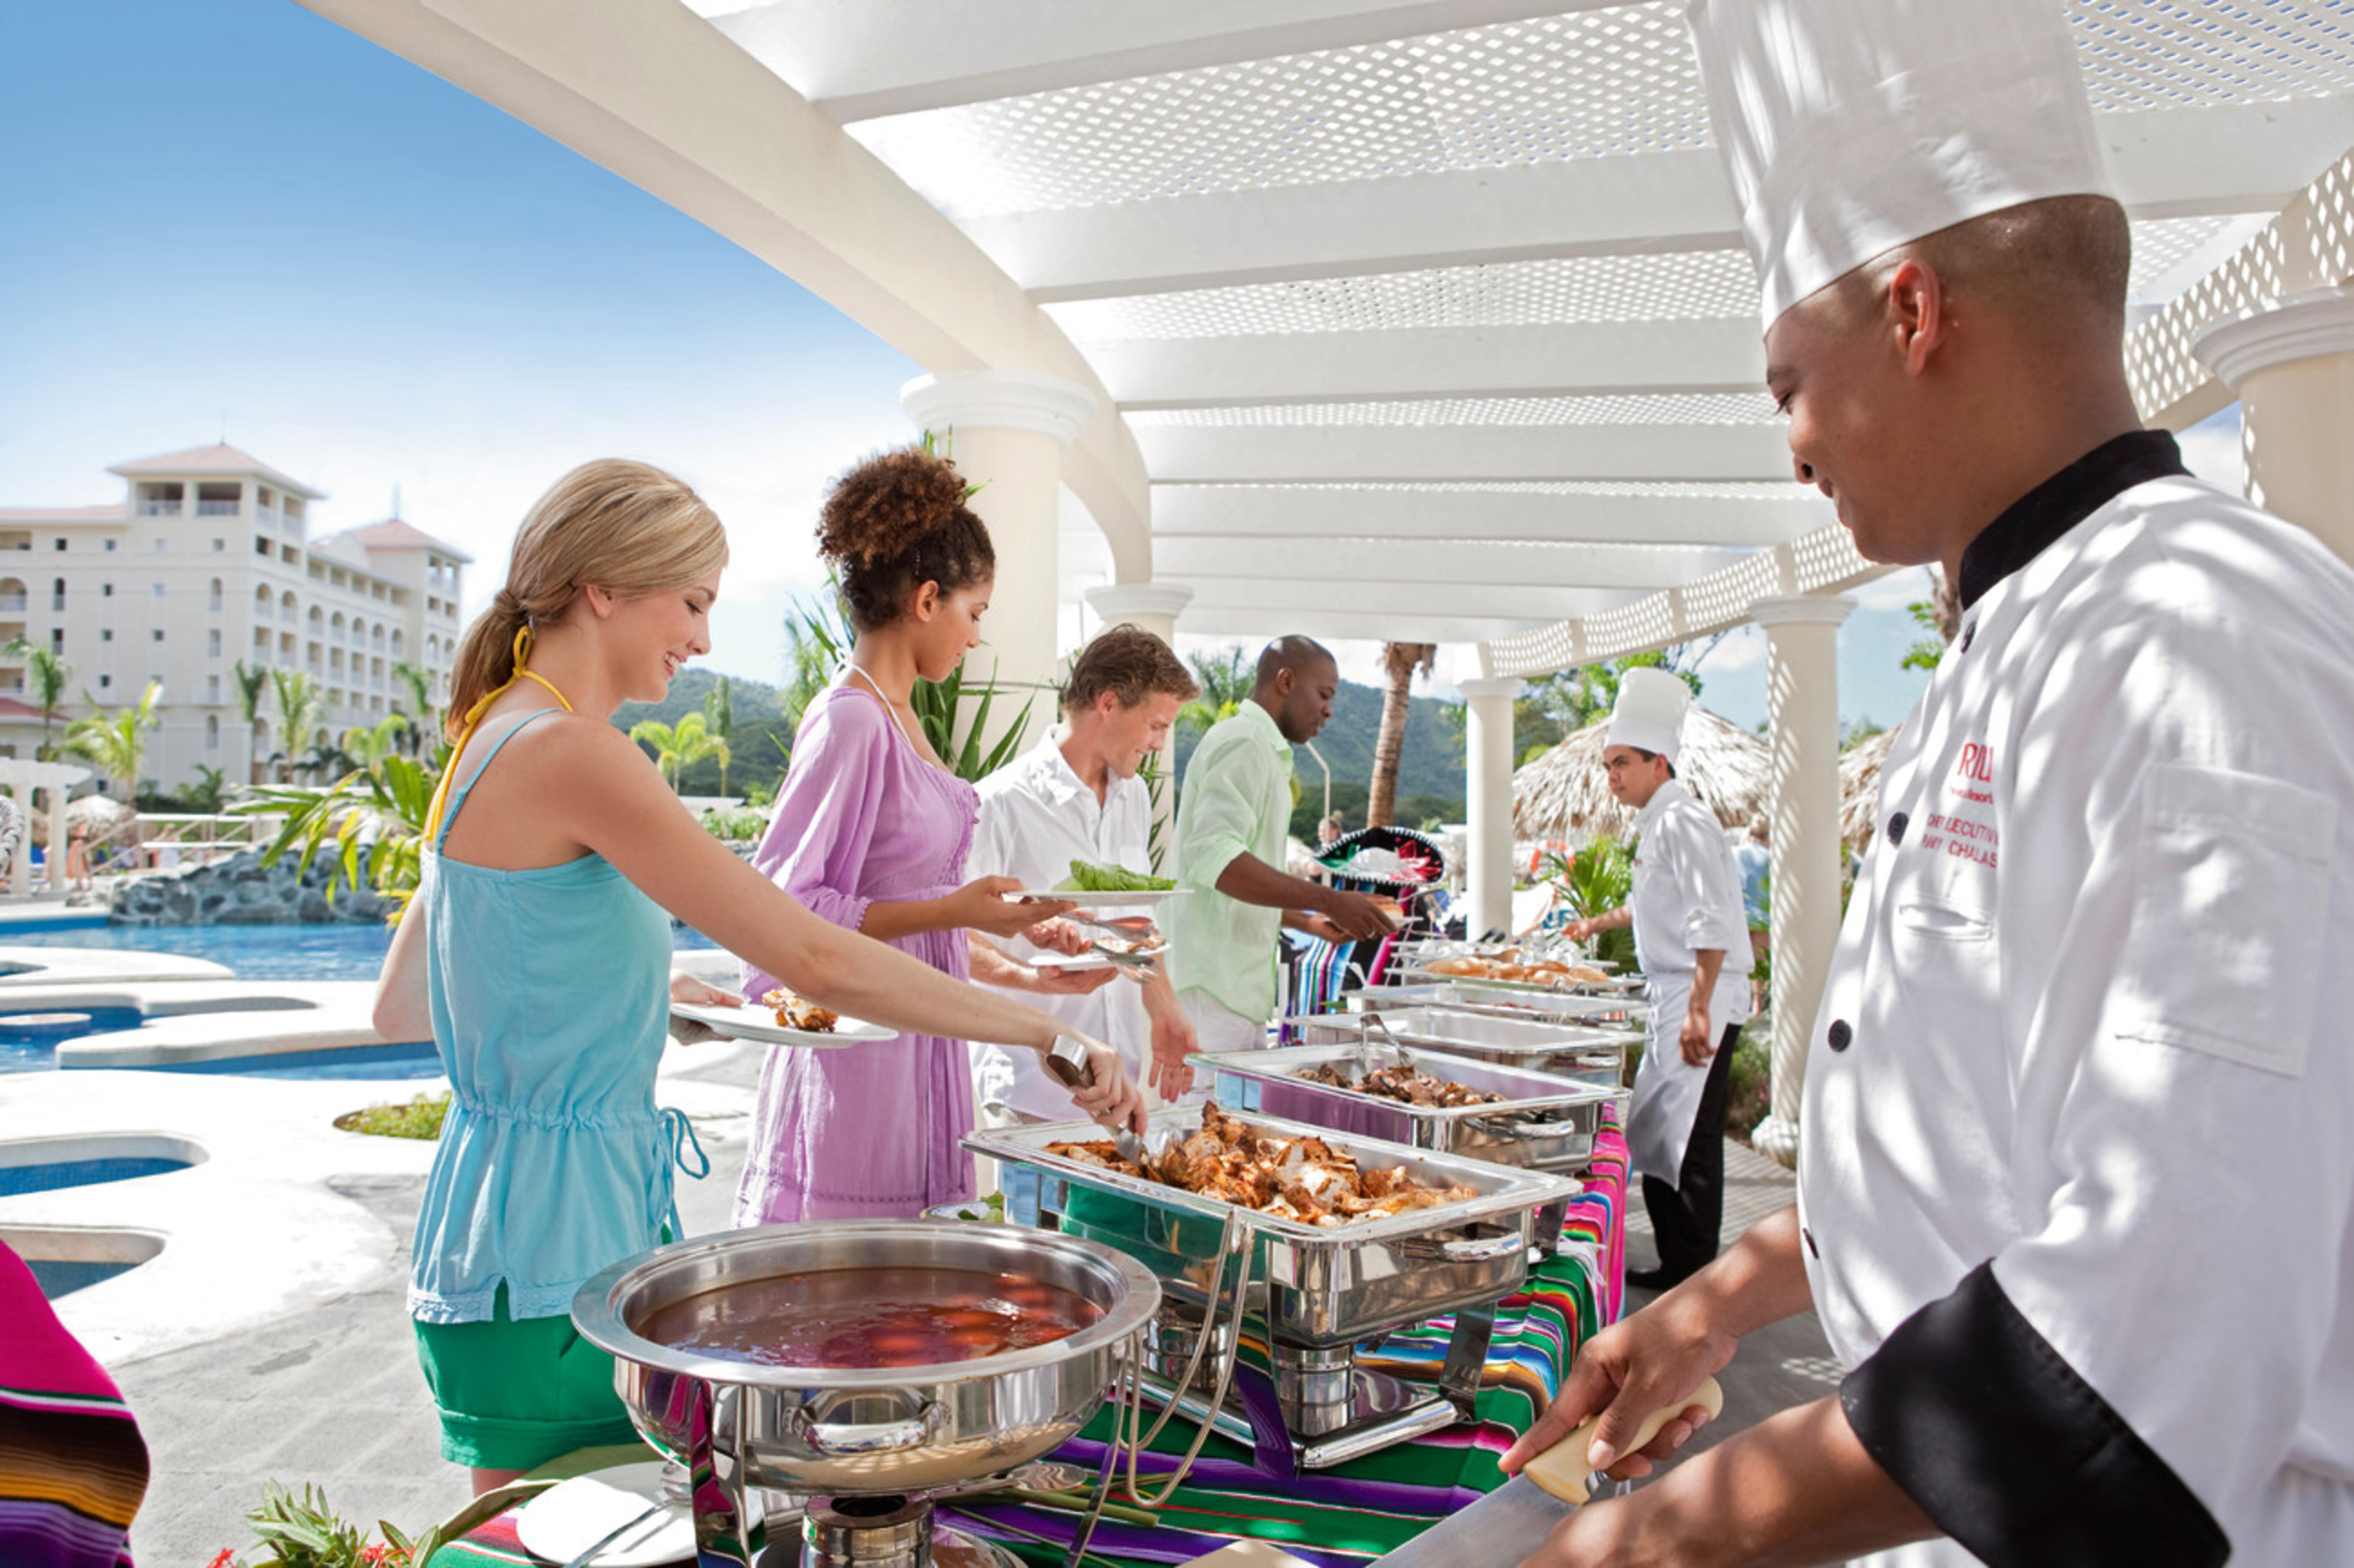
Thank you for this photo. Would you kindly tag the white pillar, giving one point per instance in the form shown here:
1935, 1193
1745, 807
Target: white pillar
59, 795
1152, 606
1802, 701
2292, 365
1488, 750
20, 867
1007, 429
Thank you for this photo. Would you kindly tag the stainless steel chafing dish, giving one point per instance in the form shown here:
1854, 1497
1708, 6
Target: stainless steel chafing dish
1568, 1050
1497, 999
1543, 1121
1313, 1293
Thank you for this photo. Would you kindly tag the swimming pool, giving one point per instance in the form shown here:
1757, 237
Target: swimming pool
258, 952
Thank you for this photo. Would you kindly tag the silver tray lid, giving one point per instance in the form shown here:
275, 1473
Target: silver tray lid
1496, 1189
1539, 1091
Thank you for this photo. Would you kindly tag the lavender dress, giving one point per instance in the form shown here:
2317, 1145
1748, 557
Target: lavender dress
864, 1131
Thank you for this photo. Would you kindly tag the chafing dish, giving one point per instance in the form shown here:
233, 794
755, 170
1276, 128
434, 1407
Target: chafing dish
866, 1443
1497, 1000
1561, 1050
1312, 1293
1543, 1121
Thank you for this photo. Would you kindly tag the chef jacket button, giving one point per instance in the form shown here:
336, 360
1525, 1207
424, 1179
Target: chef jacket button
1896, 825
1968, 632
1841, 1036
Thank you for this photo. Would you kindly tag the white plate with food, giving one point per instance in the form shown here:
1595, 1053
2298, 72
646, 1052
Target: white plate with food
1099, 900
571, 1516
766, 1024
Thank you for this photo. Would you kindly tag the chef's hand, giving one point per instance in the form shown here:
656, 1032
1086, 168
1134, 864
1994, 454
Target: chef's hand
1058, 937
1578, 930
1626, 1372
1695, 1039
1357, 917
985, 905
1172, 1041
697, 993
1052, 980
1110, 1096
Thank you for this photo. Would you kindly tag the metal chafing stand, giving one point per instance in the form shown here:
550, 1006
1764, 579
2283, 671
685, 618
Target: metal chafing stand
1565, 1051
1310, 1294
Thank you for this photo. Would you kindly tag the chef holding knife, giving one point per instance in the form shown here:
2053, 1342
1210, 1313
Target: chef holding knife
2077, 1160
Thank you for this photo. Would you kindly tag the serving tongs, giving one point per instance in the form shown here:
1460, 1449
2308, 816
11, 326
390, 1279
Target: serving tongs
1066, 1059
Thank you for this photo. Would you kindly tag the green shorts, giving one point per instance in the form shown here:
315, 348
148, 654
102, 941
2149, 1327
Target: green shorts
514, 1395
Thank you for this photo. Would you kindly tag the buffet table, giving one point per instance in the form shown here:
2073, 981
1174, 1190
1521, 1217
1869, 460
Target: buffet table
1354, 1511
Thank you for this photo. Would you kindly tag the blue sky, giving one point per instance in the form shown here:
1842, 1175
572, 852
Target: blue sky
235, 217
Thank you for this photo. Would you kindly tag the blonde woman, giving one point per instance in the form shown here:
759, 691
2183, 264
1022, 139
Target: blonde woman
537, 952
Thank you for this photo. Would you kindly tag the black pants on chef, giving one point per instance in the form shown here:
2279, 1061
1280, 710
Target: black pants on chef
1689, 1217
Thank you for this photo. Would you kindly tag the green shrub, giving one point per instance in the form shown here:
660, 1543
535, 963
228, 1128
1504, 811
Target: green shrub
742, 823
420, 1117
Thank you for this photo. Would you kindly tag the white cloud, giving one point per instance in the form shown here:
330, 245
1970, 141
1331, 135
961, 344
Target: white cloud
1895, 591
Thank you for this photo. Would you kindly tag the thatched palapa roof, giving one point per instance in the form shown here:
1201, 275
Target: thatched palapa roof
1859, 789
1563, 796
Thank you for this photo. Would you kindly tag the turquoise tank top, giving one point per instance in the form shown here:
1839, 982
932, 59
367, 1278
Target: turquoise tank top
550, 996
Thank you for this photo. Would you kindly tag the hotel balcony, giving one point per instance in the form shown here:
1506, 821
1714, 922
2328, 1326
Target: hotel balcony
13, 603
159, 508
211, 508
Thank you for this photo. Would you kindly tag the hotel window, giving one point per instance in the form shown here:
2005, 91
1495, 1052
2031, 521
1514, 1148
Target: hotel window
110, 544
220, 543
162, 544
213, 599
61, 544
58, 596
56, 639
212, 645
159, 590
104, 681
157, 635
212, 688
212, 728
106, 634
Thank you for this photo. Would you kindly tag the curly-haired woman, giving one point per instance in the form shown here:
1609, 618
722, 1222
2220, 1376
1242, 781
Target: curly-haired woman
870, 831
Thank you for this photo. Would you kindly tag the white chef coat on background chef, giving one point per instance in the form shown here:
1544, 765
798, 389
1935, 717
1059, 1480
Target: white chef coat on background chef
2076, 1026
1686, 898
1036, 817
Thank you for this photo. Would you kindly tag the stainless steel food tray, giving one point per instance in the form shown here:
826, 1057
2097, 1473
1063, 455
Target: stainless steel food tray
1543, 1122
1610, 985
1480, 997
1313, 1286
1563, 1050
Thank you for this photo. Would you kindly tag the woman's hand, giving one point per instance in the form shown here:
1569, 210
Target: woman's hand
984, 905
1053, 979
685, 988
1058, 937
1173, 1040
1109, 1097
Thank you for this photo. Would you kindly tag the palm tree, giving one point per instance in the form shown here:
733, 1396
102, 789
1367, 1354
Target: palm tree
47, 675
209, 791
299, 702
251, 684
1227, 680
679, 746
420, 681
1401, 662
365, 747
117, 743
719, 709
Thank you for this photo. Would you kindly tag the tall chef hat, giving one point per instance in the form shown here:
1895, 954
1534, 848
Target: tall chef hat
1650, 713
1850, 127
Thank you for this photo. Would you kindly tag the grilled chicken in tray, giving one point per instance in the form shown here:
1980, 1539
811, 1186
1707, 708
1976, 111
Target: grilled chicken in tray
1302, 1179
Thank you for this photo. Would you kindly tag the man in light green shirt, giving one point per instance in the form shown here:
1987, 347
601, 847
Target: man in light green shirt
1233, 818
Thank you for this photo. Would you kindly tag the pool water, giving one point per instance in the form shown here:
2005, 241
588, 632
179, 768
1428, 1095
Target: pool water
60, 1173
257, 952
63, 1277
373, 1062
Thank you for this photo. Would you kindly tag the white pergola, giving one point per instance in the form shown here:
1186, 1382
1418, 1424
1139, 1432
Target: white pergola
1416, 320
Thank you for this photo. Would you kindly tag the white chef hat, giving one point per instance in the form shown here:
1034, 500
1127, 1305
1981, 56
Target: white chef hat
1850, 127
1650, 713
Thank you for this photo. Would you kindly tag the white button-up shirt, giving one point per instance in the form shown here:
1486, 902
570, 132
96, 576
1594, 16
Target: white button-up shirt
1036, 817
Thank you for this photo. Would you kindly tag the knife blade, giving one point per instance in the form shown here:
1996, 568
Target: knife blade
1512, 1522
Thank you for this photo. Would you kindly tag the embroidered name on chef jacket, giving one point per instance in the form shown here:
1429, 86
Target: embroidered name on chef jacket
1965, 830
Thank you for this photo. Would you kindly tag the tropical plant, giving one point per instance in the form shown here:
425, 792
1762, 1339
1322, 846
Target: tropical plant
719, 711
1401, 662
1226, 678
1941, 616
1595, 880
305, 1531
300, 701
363, 747
681, 746
251, 684
46, 677
210, 789
117, 742
374, 814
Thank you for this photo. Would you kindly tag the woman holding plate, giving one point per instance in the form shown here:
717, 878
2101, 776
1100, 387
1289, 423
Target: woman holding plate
536, 954
871, 831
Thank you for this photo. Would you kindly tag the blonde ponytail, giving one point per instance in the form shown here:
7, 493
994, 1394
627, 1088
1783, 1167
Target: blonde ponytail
627, 527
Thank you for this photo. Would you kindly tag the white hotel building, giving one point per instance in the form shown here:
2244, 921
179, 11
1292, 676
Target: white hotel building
206, 560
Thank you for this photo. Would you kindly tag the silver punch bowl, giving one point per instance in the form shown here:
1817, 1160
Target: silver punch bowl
846, 1431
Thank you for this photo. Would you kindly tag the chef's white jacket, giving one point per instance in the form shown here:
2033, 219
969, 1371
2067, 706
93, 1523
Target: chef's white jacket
2077, 1158
1036, 817
1686, 899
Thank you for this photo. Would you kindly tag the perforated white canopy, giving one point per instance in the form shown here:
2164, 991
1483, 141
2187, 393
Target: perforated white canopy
1418, 320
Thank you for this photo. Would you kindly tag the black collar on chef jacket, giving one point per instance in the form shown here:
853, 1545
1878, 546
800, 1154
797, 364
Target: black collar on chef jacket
2041, 516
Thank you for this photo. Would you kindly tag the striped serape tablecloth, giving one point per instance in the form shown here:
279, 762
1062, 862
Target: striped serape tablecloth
1353, 1512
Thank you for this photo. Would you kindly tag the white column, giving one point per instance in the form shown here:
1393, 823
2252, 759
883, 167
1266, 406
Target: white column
1007, 429
1802, 703
1488, 750
2292, 365
59, 795
20, 868
1152, 606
